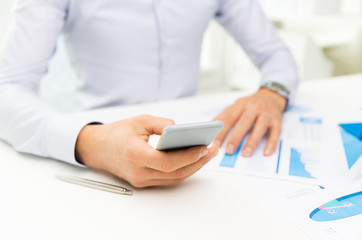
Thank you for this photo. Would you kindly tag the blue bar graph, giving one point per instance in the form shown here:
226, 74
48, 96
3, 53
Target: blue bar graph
229, 160
280, 150
296, 166
310, 120
297, 109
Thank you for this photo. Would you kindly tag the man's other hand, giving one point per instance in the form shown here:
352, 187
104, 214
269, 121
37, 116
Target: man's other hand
261, 113
122, 149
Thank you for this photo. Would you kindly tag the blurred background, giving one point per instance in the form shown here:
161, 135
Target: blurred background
325, 37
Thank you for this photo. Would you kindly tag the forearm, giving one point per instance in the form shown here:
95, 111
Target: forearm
26, 122
31, 126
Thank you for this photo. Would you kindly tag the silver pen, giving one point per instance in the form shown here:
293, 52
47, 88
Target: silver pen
96, 185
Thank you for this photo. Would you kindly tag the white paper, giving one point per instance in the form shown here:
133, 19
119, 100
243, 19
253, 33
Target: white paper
311, 174
297, 202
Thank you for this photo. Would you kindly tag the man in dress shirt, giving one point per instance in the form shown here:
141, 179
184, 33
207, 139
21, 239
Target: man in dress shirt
133, 51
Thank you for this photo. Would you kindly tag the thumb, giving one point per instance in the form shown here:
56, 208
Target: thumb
155, 125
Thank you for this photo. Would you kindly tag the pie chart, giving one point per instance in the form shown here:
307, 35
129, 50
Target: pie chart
343, 207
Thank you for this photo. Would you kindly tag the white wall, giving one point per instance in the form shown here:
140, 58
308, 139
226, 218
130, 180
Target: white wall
225, 65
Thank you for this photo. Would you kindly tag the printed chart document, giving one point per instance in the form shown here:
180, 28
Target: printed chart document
314, 177
310, 150
323, 214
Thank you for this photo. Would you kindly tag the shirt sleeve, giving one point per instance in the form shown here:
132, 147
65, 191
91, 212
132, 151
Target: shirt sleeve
247, 23
26, 122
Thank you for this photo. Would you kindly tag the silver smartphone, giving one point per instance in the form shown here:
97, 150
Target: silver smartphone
188, 135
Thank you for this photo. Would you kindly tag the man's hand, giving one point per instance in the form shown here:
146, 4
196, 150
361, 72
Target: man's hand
262, 112
122, 149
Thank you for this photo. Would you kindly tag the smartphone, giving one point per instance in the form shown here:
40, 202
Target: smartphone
189, 135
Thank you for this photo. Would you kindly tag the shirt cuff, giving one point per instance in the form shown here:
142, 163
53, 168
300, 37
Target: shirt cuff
61, 137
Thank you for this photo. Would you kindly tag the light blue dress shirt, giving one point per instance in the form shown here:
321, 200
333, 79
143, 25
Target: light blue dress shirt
123, 52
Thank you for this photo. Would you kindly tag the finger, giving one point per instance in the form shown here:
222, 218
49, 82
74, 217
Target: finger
242, 127
184, 172
155, 125
159, 182
156, 182
273, 139
229, 116
260, 128
171, 161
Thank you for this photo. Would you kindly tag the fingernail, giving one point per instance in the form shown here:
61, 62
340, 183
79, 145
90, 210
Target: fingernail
217, 143
247, 152
230, 149
214, 154
203, 152
268, 152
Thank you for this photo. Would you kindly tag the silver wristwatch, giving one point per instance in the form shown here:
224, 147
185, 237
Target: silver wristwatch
278, 88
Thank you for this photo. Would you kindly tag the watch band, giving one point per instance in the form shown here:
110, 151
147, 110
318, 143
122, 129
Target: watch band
277, 87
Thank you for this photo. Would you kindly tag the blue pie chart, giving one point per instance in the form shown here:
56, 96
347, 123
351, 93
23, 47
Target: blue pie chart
343, 207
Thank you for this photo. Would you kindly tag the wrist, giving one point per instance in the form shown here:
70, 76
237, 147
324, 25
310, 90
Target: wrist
279, 89
86, 143
281, 101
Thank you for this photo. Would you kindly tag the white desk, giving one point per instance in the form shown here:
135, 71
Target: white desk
210, 205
